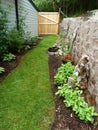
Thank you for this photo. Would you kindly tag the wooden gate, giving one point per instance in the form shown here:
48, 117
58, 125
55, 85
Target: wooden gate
48, 23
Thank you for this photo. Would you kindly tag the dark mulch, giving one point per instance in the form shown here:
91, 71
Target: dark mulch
10, 65
63, 118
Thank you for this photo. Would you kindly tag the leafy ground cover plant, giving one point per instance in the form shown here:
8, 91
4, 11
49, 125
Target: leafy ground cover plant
30, 41
64, 72
9, 57
72, 96
2, 70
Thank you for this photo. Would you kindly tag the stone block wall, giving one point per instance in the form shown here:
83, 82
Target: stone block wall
85, 30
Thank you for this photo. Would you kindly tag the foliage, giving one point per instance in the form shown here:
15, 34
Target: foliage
72, 98
22, 24
63, 73
3, 32
44, 5
65, 42
9, 57
30, 41
15, 40
34, 40
27, 47
2, 70
65, 45
10, 41
22, 27
68, 7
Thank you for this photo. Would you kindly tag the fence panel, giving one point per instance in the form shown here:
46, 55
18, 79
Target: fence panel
48, 23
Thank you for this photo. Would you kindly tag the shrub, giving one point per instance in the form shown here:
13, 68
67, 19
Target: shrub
34, 40
3, 32
15, 40
30, 40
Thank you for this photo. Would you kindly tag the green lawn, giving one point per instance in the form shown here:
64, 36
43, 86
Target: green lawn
26, 101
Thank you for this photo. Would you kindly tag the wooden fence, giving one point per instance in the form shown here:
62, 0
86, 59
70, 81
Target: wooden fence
48, 23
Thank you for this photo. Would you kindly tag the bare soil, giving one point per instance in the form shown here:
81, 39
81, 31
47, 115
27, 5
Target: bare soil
65, 118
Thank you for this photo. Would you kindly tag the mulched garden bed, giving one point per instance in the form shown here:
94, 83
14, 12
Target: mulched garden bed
10, 65
65, 119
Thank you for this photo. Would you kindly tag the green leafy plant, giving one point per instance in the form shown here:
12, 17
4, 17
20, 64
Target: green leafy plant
3, 32
27, 47
22, 25
2, 70
34, 40
9, 57
63, 73
72, 98
30, 40
15, 40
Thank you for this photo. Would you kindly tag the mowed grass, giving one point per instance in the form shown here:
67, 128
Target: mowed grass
26, 101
